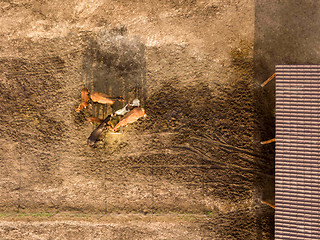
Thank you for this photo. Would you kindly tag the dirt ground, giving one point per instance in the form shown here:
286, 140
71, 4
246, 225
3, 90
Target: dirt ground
192, 169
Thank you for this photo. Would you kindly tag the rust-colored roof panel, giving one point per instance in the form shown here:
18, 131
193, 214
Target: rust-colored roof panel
297, 152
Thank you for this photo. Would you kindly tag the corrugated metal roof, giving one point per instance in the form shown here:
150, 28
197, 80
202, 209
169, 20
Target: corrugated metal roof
297, 164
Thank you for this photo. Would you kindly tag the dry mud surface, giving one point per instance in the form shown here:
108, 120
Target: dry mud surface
192, 169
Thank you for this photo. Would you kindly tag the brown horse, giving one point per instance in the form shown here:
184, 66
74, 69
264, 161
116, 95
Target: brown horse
104, 99
84, 99
130, 117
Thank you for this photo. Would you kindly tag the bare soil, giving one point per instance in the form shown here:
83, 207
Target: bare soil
192, 169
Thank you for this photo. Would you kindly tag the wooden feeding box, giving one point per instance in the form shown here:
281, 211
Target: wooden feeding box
114, 64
